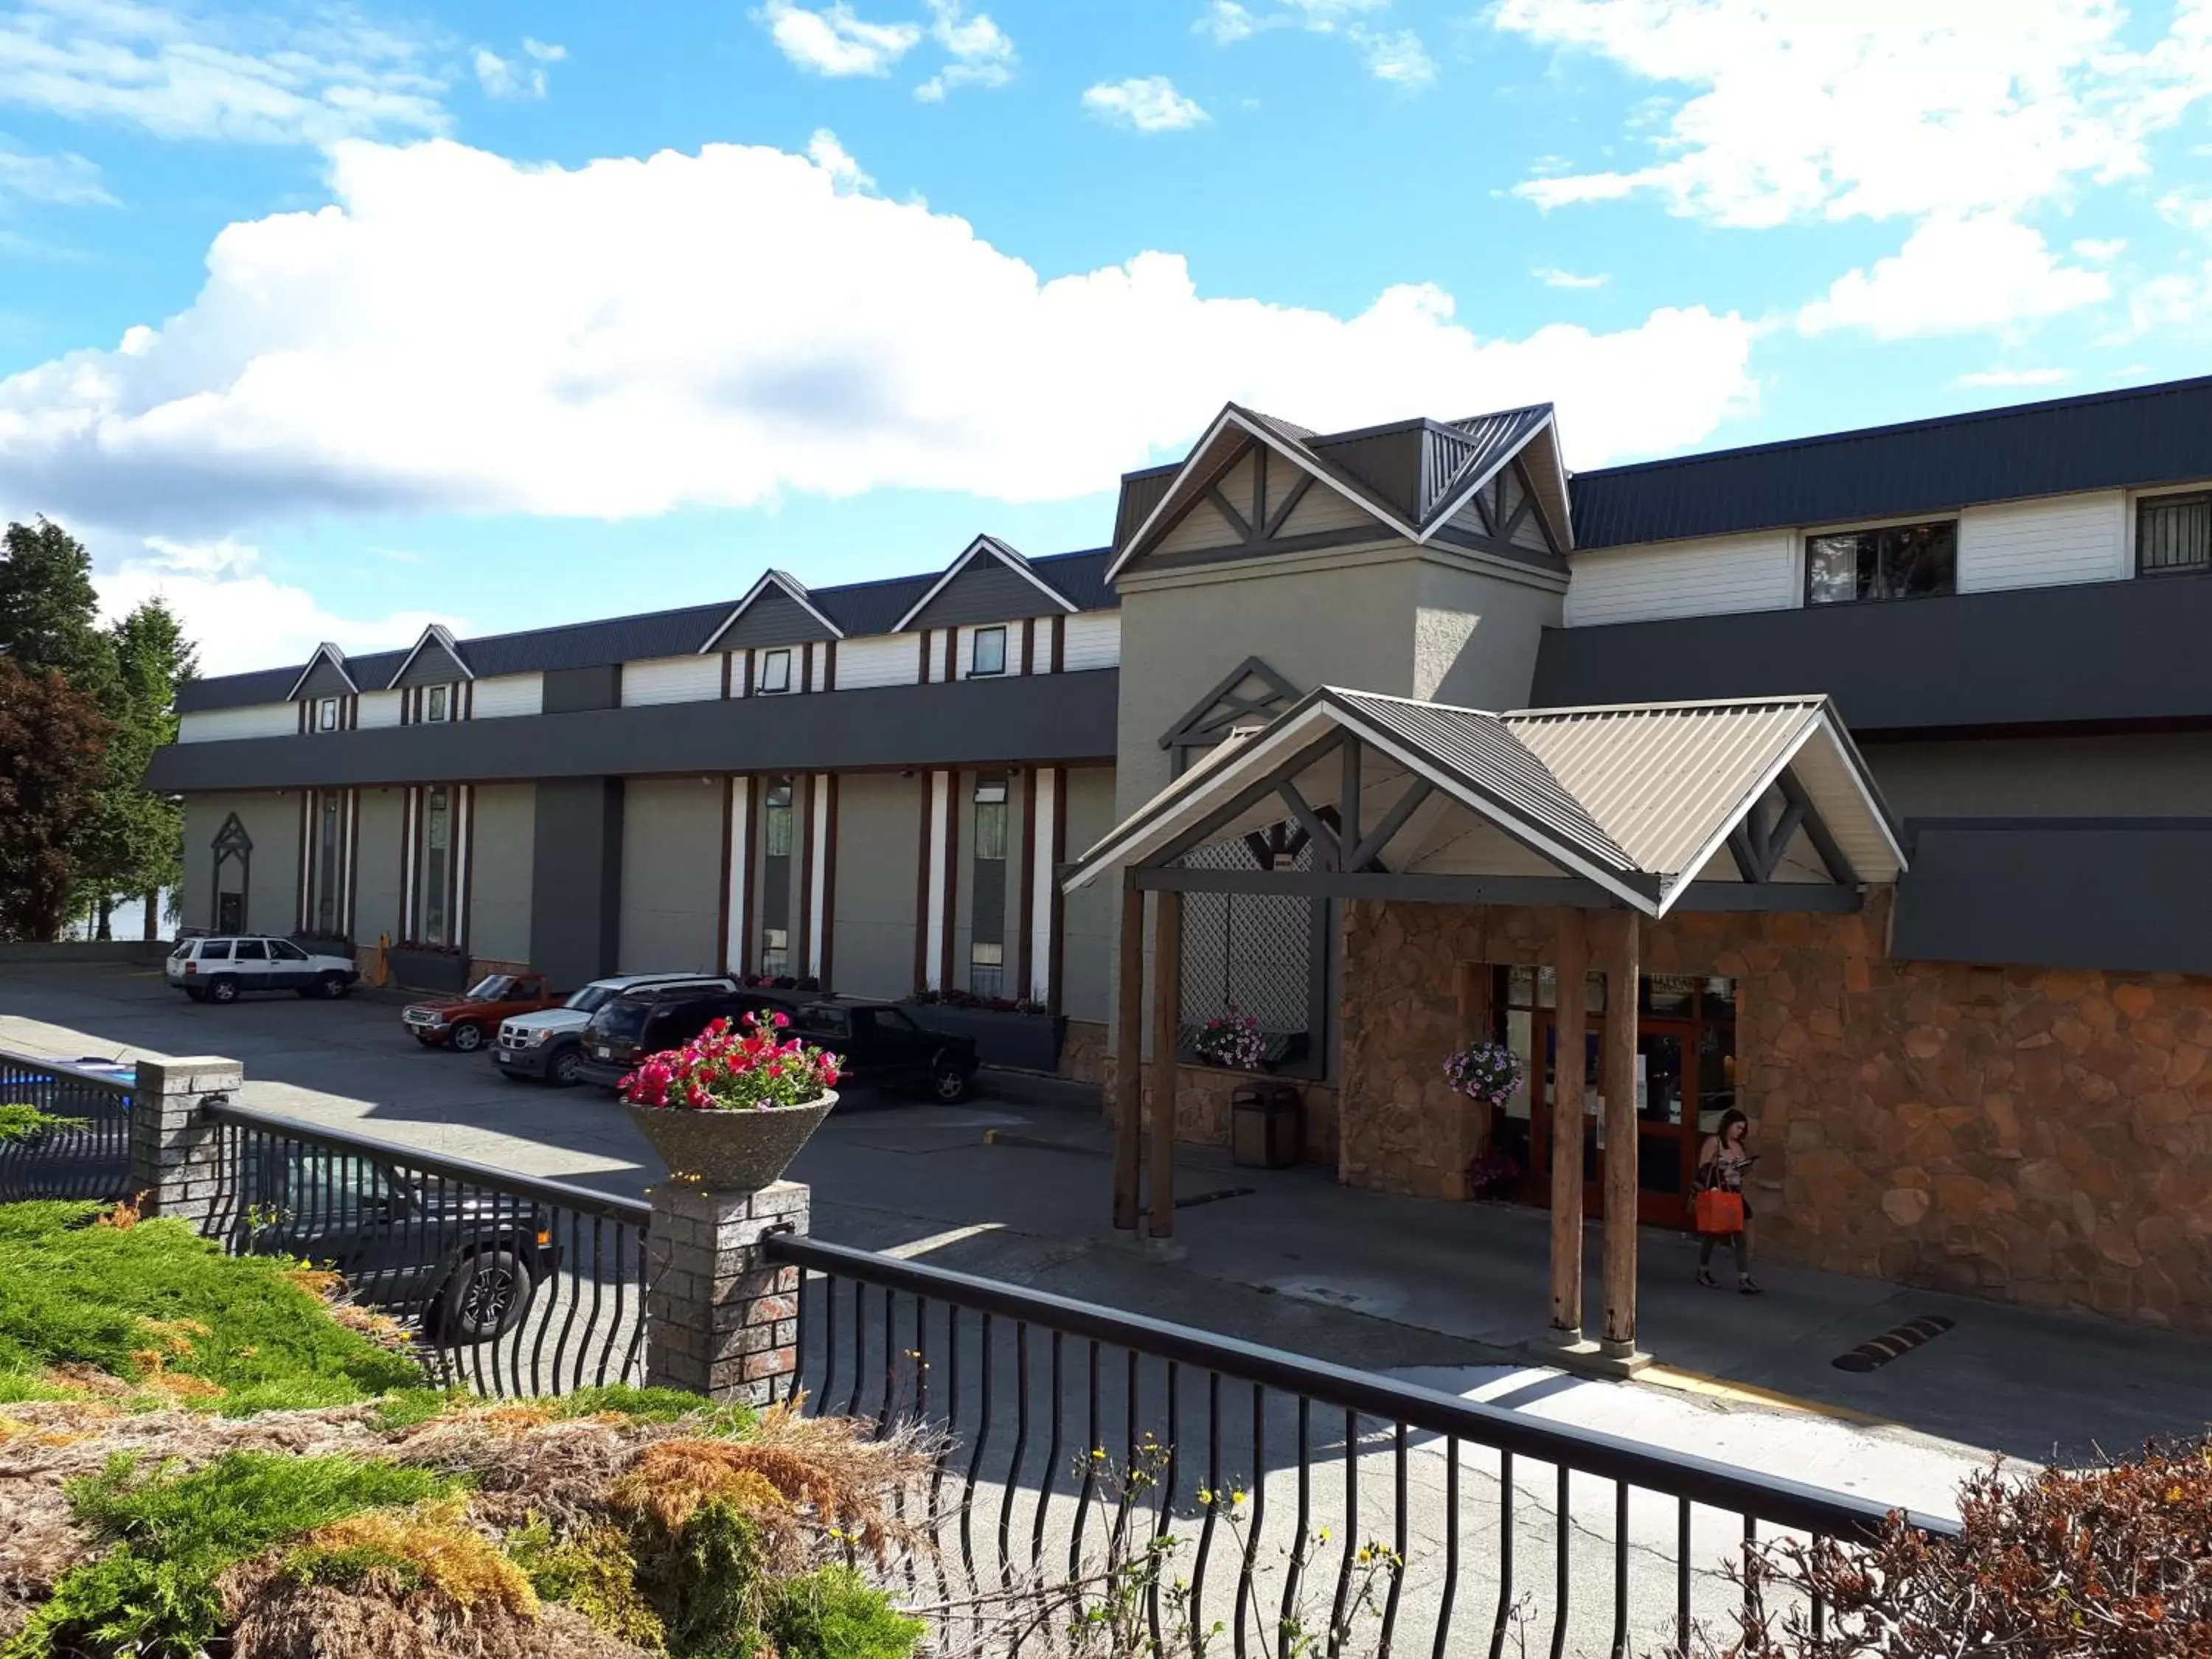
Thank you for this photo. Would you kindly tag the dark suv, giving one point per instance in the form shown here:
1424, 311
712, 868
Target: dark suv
883, 1046
626, 1029
467, 1261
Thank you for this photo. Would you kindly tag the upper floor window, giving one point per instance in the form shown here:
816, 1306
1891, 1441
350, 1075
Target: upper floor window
1897, 562
774, 670
2174, 532
326, 715
990, 654
437, 703
775, 817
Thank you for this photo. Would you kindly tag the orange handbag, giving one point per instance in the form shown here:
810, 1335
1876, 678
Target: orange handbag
1718, 1212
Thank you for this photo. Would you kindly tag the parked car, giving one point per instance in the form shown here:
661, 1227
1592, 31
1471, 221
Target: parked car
624, 1030
466, 1261
879, 1042
224, 968
548, 1045
467, 1021
884, 1048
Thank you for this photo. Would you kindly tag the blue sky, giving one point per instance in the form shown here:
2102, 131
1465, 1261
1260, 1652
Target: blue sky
328, 320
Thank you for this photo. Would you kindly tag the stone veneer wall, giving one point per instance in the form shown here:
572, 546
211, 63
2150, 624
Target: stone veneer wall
1202, 1094
1083, 1052
2036, 1134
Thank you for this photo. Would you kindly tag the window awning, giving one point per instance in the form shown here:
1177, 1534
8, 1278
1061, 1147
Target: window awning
1748, 803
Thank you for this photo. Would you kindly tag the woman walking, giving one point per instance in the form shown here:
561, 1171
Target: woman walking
1722, 1164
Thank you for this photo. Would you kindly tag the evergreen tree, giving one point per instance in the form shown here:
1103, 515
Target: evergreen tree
136, 844
49, 613
53, 765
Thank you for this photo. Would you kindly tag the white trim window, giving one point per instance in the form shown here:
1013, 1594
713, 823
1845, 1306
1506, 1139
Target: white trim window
438, 704
2174, 533
988, 659
775, 672
1887, 562
326, 715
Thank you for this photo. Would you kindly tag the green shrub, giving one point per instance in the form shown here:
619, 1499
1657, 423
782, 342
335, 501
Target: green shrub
705, 1582
832, 1614
20, 1121
658, 1406
156, 1298
153, 1593
591, 1573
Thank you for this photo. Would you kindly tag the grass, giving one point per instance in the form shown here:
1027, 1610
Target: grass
154, 1592
156, 1304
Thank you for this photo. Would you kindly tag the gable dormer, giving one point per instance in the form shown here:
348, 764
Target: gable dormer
988, 582
324, 676
1255, 484
777, 610
436, 660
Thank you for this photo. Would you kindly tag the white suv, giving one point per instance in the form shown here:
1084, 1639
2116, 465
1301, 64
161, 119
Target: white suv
224, 968
547, 1045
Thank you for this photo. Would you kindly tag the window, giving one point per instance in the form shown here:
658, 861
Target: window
214, 950
330, 839
250, 949
1898, 562
774, 670
435, 703
986, 948
437, 863
283, 949
326, 715
777, 820
990, 655
775, 951
492, 988
2173, 532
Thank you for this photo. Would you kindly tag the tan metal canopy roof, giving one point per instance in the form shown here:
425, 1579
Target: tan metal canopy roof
1642, 801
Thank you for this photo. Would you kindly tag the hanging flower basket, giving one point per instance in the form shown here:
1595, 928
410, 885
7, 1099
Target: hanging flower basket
730, 1109
1487, 1073
1232, 1039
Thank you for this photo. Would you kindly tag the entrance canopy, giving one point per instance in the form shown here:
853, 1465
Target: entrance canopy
1755, 804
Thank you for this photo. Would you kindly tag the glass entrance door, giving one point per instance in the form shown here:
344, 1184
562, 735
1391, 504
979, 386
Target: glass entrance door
1685, 1078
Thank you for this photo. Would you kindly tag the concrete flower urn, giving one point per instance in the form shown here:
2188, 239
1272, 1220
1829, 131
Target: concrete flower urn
736, 1151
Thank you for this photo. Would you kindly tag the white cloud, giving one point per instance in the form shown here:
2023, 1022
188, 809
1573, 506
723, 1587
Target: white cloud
1953, 275
2016, 377
832, 42
1394, 55
1880, 108
1149, 103
458, 332
66, 180
834, 159
1397, 57
504, 77
1552, 277
981, 53
240, 616
250, 78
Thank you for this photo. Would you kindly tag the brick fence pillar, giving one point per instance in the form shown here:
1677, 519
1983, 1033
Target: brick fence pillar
173, 1150
720, 1319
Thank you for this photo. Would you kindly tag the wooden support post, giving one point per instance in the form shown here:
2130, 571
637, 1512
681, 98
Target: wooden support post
1129, 1056
1570, 1047
1618, 1071
1167, 1019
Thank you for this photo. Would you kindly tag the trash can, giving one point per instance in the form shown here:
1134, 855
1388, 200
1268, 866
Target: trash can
1266, 1126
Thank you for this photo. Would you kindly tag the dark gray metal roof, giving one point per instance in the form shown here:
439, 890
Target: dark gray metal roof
858, 608
1483, 750
2137, 436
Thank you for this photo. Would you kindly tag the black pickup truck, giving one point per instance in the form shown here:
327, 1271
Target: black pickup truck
880, 1045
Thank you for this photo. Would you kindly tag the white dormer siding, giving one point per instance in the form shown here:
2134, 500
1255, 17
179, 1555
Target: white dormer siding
1092, 639
878, 659
1712, 578
2044, 544
501, 695
671, 680
380, 709
259, 719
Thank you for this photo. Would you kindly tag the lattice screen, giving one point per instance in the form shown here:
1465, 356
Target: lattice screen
1253, 952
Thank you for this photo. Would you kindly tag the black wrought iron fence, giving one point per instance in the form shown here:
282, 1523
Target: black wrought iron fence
513, 1285
88, 1153
1229, 1498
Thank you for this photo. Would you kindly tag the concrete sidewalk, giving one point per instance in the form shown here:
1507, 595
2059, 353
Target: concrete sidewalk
2028, 1383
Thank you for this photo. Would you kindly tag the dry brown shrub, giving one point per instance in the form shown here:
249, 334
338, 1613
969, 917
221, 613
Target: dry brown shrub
125, 1215
558, 1470
322, 1282
817, 1464
278, 1619
436, 1541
